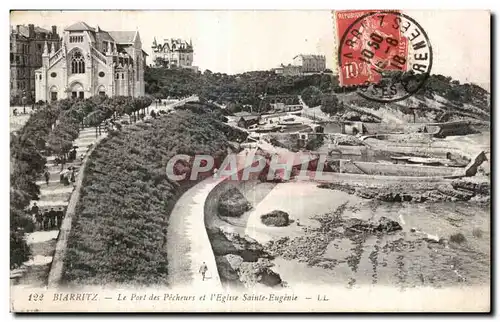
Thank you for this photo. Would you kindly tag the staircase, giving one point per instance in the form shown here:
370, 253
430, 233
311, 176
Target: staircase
42, 243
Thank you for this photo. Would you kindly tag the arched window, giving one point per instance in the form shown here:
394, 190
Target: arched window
77, 63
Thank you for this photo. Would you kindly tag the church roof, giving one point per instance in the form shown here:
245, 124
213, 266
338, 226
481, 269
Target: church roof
128, 50
123, 36
79, 26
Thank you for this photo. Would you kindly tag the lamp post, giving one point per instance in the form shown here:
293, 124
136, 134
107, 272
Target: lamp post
23, 100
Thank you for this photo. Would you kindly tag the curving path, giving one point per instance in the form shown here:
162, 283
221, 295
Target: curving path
188, 245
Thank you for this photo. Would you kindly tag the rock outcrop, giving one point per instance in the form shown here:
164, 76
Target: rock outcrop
276, 218
232, 203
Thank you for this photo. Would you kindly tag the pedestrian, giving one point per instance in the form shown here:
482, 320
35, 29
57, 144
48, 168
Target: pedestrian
82, 156
203, 270
39, 220
47, 177
45, 222
52, 218
35, 209
59, 216
73, 175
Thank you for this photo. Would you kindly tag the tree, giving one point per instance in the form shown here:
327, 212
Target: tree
311, 95
330, 104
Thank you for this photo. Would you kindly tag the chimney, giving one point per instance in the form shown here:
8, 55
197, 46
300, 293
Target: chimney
31, 29
17, 29
54, 31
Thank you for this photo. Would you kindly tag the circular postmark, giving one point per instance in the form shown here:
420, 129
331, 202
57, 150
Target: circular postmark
387, 55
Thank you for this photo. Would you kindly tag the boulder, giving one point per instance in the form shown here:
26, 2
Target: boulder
232, 203
384, 225
226, 242
459, 194
478, 187
387, 225
259, 272
228, 266
276, 218
269, 278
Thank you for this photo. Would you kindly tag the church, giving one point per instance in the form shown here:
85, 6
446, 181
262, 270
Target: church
89, 62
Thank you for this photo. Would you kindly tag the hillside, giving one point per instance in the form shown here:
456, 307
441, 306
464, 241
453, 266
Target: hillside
441, 99
119, 231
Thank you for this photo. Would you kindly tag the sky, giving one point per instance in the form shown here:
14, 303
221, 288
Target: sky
237, 41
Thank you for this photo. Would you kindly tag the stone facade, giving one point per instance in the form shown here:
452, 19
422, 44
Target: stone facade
303, 64
288, 70
310, 63
173, 53
26, 48
91, 62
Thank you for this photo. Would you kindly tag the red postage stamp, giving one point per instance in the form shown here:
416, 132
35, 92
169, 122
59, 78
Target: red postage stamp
372, 44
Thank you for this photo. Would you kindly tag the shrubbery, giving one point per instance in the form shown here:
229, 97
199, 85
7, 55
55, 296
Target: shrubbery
27, 162
120, 222
239, 91
52, 128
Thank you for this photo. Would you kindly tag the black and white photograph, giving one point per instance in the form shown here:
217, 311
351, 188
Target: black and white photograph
250, 160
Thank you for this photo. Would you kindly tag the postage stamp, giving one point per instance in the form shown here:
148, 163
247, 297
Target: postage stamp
387, 54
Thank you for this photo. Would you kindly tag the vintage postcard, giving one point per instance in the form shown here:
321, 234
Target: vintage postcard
250, 161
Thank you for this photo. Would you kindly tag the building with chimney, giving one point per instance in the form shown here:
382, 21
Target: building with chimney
173, 53
26, 48
91, 61
303, 64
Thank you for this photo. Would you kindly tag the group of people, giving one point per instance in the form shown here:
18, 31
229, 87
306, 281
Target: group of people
67, 175
48, 219
16, 113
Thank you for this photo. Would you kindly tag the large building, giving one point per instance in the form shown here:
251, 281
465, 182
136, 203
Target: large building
173, 53
91, 62
310, 63
303, 64
26, 48
288, 70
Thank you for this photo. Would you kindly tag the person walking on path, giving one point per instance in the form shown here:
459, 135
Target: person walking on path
59, 216
203, 270
45, 223
47, 177
73, 175
52, 218
35, 210
39, 221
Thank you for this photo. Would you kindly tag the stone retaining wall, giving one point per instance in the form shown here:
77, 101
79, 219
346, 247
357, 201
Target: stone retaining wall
373, 168
56, 268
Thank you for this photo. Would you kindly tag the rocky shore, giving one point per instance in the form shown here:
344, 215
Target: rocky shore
464, 189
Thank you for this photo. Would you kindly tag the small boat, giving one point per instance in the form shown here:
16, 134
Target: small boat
290, 121
267, 128
400, 158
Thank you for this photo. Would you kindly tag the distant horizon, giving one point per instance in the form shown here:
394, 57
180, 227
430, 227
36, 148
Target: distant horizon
234, 42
